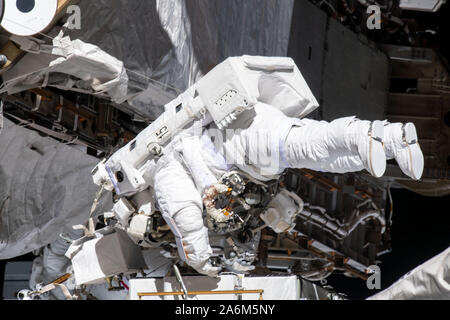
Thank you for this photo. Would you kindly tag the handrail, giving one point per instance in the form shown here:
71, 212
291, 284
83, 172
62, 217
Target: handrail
180, 293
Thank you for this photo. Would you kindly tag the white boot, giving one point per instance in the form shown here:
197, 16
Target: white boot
401, 143
367, 138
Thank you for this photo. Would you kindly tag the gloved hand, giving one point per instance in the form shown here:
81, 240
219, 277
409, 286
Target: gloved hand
207, 268
241, 267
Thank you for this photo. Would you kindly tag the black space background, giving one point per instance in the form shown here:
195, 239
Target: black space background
421, 225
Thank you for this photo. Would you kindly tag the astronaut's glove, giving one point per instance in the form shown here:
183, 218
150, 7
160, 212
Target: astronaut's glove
241, 267
207, 268
209, 194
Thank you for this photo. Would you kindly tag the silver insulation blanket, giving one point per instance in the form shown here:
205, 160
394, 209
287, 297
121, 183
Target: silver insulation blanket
167, 45
45, 188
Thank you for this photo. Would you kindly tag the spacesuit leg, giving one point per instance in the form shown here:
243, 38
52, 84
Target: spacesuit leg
343, 145
179, 199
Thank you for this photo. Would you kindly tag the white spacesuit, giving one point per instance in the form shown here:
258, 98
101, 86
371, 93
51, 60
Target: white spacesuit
274, 142
261, 142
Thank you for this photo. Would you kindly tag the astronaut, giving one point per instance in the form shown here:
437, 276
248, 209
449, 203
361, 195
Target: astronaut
344, 145
262, 142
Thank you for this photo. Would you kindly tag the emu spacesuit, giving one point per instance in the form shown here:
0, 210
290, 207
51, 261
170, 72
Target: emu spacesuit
260, 141
263, 142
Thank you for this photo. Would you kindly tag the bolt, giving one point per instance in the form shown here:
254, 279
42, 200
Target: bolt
3, 60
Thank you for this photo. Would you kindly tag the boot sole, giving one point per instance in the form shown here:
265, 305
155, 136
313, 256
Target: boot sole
415, 155
377, 156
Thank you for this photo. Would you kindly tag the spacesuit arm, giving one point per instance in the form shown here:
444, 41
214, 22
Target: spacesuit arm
179, 199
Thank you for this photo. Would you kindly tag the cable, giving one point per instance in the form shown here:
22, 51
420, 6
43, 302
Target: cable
328, 4
391, 204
